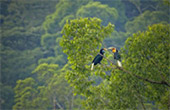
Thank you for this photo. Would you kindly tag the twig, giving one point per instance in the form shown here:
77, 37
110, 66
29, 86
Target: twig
140, 98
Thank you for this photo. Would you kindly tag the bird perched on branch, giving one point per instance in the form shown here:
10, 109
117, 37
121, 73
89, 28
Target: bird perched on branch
116, 55
98, 58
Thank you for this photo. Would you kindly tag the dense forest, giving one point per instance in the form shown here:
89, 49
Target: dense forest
47, 47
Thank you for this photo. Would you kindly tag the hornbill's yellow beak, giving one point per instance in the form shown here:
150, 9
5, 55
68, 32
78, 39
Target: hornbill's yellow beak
113, 49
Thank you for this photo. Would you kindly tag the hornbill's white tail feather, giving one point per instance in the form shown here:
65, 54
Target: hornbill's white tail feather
92, 65
119, 63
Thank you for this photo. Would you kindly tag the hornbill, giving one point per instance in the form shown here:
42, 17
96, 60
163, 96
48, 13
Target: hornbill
116, 55
98, 58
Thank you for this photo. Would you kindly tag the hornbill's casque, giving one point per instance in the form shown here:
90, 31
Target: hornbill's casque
116, 55
98, 58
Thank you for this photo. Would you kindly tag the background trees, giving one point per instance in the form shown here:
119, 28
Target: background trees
96, 9
21, 30
30, 40
48, 90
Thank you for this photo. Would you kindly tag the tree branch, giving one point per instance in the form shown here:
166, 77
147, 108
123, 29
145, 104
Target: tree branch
139, 77
144, 79
56, 103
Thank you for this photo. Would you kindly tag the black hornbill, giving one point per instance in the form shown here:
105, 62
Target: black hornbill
98, 58
116, 55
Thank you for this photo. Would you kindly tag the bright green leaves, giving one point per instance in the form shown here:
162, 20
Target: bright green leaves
148, 49
45, 72
80, 39
147, 54
25, 92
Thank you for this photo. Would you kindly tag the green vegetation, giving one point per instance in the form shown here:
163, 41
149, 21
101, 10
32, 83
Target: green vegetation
47, 48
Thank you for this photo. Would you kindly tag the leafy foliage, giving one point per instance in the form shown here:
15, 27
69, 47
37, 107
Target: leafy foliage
96, 9
81, 37
148, 53
48, 90
25, 91
65, 9
146, 19
120, 7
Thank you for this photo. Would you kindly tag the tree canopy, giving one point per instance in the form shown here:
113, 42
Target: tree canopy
145, 67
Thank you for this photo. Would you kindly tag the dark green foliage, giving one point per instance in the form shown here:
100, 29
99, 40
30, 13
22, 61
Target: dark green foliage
146, 19
21, 32
13, 60
65, 9
120, 7
6, 96
96, 9
19, 38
